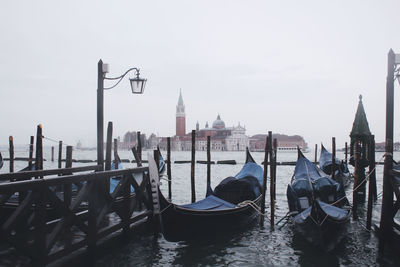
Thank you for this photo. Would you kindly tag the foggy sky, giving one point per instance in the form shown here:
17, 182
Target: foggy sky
292, 67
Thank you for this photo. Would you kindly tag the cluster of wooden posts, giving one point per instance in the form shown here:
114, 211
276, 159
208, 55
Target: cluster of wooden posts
61, 211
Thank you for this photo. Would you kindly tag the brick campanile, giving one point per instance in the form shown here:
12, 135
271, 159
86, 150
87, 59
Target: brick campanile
180, 117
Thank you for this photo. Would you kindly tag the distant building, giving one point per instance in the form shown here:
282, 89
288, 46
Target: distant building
180, 117
222, 138
285, 142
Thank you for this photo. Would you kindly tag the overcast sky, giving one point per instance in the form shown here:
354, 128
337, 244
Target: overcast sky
292, 67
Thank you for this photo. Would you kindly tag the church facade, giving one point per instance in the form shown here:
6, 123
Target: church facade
222, 138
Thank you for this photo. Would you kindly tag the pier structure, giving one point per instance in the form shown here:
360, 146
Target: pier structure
46, 215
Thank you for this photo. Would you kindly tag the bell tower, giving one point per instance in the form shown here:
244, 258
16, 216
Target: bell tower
180, 117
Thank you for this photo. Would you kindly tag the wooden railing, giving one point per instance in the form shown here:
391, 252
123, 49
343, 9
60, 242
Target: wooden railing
41, 222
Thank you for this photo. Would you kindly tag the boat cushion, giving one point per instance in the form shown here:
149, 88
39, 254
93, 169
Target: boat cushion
209, 203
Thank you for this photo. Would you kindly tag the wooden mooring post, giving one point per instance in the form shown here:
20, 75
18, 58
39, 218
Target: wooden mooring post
107, 163
271, 178
139, 145
30, 160
52, 154
11, 149
68, 186
39, 148
264, 185
169, 168
356, 178
208, 163
345, 152
273, 165
60, 143
387, 211
192, 166
315, 154
372, 196
333, 157
105, 184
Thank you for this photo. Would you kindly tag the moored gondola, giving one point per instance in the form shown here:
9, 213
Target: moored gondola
317, 204
342, 173
230, 206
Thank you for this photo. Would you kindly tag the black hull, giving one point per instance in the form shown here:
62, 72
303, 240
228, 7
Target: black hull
325, 236
186, 224
322, 230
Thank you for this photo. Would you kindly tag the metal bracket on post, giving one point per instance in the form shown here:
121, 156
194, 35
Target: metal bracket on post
154, 181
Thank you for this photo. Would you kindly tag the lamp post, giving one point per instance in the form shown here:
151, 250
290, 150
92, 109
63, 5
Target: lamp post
137, 85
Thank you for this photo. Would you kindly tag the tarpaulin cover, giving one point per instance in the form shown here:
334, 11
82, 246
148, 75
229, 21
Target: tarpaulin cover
251, 169
246, 185
209, 203
325, 162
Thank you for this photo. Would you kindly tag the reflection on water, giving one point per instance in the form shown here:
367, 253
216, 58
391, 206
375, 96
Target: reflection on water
254, 247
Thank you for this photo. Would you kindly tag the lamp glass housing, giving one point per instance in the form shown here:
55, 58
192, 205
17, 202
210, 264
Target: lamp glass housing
138, 85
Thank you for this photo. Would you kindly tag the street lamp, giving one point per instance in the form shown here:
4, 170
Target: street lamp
137, 85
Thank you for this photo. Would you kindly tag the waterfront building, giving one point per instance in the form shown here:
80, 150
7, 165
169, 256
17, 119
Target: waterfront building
223, 138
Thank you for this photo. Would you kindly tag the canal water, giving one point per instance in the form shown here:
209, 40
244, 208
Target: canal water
256, 246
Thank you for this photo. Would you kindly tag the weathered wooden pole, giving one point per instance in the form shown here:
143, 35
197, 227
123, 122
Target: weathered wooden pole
157, 219
39, 148
372, 180
100, 114
137, 158
139, 145
208, 162
356, 177
52, 153
169, 168
386, 223
271, 178
68, 186
11, 150
116, 156
60, 154
315, 153
333, 157
264, 185
192, 166
345, 152
372, 165
40, 229
275, 148
30, 160
107, 163
126, 206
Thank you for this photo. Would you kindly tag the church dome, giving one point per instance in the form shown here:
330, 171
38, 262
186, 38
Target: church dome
218, 123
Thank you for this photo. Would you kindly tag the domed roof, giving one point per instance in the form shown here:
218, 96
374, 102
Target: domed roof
218, 123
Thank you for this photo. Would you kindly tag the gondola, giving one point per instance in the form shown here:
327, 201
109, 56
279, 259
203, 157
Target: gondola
317, 204
342, 173
229, 207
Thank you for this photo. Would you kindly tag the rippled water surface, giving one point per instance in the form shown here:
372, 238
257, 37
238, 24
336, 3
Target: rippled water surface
257, 246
